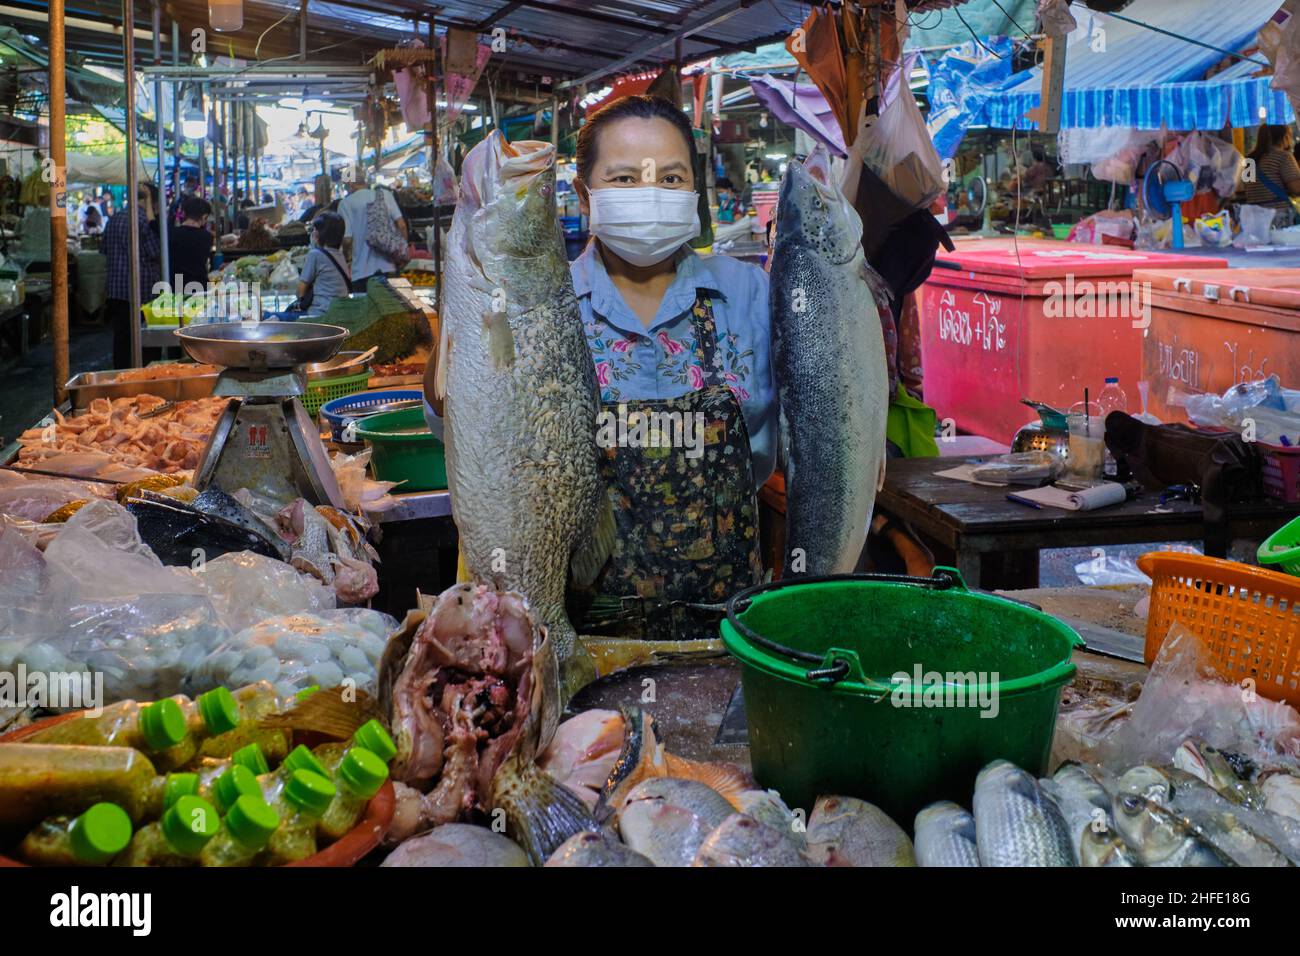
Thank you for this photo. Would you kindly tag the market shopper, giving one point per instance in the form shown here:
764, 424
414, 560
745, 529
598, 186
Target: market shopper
1277, 175
116, 247
324, 199
324, 276
365, 260
190, 244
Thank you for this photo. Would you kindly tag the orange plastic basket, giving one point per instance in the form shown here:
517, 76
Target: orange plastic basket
1247, 619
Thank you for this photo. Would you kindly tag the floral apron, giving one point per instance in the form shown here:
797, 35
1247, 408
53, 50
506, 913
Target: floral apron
686, 518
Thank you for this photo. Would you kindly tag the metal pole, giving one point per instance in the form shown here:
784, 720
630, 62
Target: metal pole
162, 148
132, 180
555, 121
302, 30
58, 203
432, 72
176, 112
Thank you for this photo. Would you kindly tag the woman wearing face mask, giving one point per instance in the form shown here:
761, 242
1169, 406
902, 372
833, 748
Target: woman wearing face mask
677, 333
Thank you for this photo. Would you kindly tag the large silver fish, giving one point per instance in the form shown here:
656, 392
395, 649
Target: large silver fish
520, 389
829, 356
1016, 824
945, 836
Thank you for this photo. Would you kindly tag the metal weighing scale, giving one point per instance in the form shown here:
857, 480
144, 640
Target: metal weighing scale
265, 440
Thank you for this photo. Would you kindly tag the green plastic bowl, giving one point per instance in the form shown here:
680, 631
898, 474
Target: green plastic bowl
1280, 551
827, 716
415, 458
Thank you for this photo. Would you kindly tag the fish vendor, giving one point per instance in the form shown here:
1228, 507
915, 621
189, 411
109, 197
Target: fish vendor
682, 350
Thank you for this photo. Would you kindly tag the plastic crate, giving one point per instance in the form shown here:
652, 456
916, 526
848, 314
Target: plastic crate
1246, 619
1281, 549
326, 389
1280, 467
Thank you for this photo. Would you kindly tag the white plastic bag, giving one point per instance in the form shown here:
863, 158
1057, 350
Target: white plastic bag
284, 277
897, 147
1256, 224
246, 588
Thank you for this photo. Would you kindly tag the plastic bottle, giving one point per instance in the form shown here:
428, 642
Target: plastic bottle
151, 728
236, 782
359, 777
91, 839
248, 826
41, 780
300, 758
1111, 399
175, 840
210, 771
369, 736
255, 702
306, 796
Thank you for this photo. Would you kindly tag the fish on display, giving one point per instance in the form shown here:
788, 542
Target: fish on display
1016, 823
458, 844
1083, 802
1213, 767
665, 834
471, 697
178, 533
520, 389
1280, 792
829, 355
945, 836
214, 501
595, 849
1105, 848
584, 750
767, 807
846, 831
742, 841
1159, 837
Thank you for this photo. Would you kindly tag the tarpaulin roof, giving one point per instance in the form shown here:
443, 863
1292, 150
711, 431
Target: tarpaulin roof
1119, 73
84, 85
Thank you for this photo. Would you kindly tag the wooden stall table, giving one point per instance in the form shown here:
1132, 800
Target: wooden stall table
994, 543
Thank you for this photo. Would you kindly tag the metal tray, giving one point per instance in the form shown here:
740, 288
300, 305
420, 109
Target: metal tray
345, 363
84, 387
261, 345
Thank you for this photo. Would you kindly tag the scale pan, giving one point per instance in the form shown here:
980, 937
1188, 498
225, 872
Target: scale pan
261, 345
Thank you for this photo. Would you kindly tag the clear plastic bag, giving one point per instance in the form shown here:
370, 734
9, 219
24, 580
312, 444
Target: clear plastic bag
245, 588
284, 277
1256, 225
361, 492
294, 651
898, 148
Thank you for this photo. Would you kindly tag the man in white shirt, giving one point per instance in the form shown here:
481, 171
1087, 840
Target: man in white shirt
365, 261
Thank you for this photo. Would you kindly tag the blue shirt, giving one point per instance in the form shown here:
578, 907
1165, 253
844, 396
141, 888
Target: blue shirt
116, 247
634, 362
328, 280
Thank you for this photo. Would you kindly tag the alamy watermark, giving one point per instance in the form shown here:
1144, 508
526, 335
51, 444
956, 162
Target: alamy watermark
950, 689
651, 429
56, 690
1108, 299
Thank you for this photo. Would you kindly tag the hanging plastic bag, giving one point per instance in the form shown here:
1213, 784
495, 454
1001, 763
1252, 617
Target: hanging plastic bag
1056, 18
444, 183
897, 148
284, 277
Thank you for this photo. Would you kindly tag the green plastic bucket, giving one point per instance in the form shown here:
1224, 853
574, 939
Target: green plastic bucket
1281, 550
415, 458
982, 679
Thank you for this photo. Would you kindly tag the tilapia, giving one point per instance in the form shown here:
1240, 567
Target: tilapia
595, 849
519, 388
458, 844
767, 807
706, 804
1016, 824
846, 831
829, 355
667, 835
742, 841
471, 699
945, 836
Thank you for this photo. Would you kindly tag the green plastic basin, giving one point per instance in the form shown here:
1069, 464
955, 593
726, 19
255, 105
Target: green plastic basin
897, 691
415, 458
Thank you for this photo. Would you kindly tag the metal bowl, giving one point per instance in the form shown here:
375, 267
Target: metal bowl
261, 345
345, 363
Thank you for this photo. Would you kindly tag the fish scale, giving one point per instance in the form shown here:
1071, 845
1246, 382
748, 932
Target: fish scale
521, 390
829, 357
1016, 824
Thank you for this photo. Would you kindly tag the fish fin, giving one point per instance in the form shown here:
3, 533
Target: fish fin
540, 813
723, 778
330, 712
501, 341
880, 478
441, 357
590, 556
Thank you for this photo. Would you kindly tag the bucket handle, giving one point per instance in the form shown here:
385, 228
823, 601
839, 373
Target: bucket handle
836, 664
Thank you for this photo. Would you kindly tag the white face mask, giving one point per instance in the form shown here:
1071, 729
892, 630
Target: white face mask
644, 224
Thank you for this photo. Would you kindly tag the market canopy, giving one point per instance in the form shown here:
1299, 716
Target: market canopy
1119, 73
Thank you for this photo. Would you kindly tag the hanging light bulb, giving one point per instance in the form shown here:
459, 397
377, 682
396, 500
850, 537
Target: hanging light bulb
226, 15
762, 120
194, 124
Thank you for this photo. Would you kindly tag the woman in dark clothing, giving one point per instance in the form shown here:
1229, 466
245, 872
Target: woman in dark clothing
190, 245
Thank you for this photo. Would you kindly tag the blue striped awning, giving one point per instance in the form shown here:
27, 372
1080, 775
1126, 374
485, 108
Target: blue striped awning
1119, 73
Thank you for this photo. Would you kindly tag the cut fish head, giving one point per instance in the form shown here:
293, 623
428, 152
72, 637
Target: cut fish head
816, 215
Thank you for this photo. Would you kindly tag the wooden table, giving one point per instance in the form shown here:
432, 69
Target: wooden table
994, 543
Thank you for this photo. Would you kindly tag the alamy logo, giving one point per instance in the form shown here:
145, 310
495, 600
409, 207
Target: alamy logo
1085, 299
74, 909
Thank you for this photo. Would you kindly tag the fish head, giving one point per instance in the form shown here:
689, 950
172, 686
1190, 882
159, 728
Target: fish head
816, 214
513, 239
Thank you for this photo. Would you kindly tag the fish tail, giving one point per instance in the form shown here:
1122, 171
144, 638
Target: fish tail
540, 813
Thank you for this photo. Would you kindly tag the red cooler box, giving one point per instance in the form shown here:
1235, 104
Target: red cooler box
1042, 321
1214, 328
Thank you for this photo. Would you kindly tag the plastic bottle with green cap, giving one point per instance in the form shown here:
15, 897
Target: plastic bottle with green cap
236, 782
369, 736
41, 780
211, 769
247, 827
208, 716
175, 840
179, 785
300, 758
91, 839
254, 702
358, 778
305, 797
150, 728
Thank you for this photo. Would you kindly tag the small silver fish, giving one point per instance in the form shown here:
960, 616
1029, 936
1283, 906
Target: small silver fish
664, 834
1160, 837
945, 836
743, 841
846, 831
1083, 802
1016, 824
592, 849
